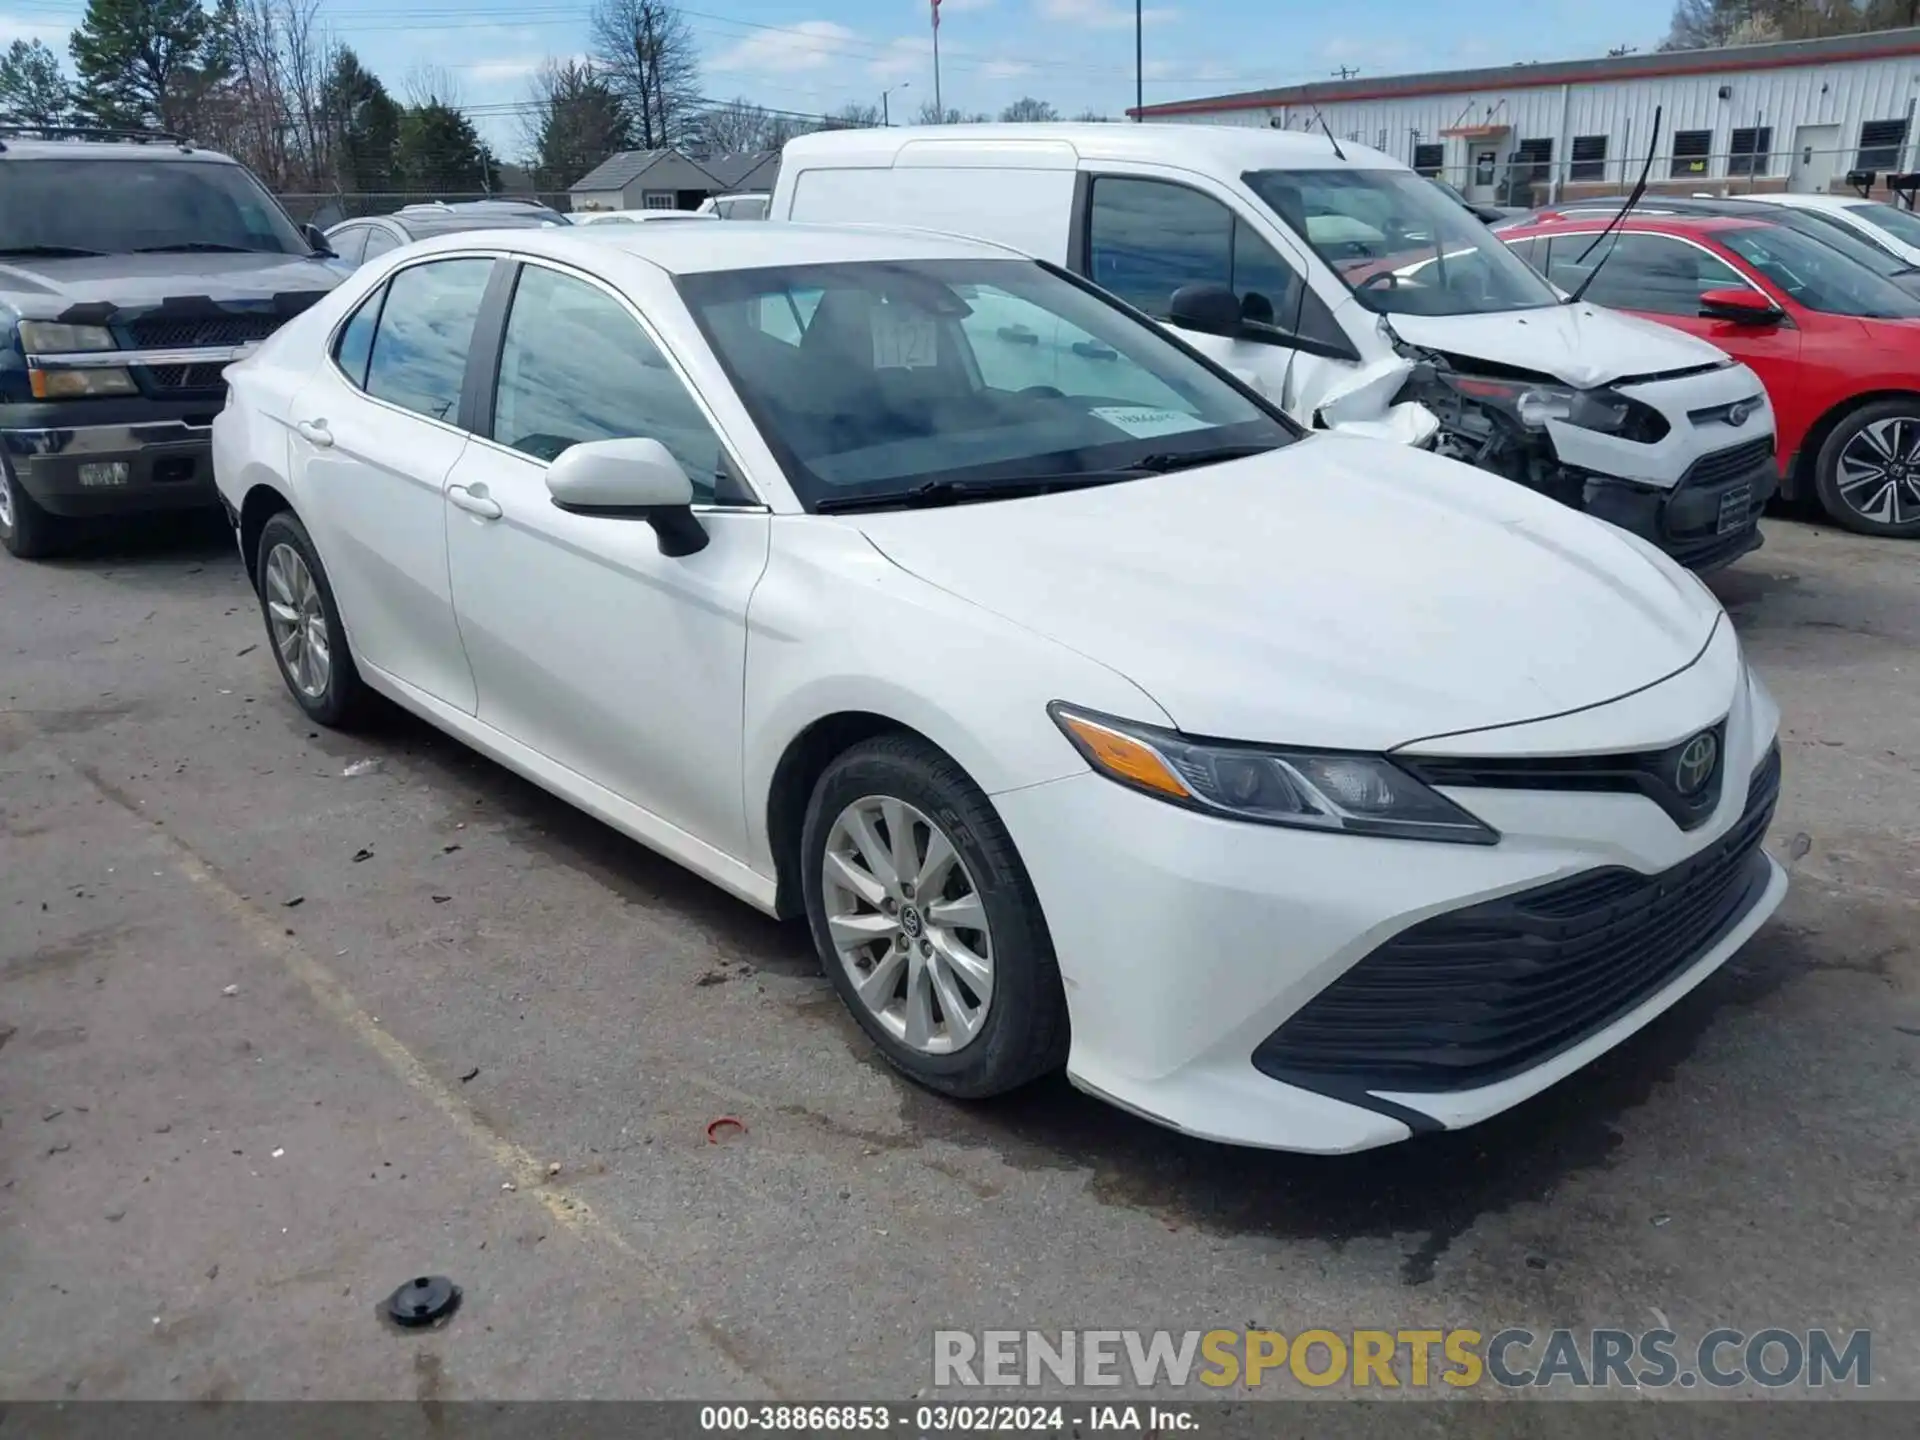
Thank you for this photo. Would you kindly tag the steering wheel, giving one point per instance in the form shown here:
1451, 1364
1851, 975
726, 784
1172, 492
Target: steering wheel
1389, 278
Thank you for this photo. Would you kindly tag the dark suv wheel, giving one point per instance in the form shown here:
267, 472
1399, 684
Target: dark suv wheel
25, 529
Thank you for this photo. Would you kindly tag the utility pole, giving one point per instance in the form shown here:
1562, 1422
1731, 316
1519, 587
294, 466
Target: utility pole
1139, 68
935, 7
886, 117
1345, 72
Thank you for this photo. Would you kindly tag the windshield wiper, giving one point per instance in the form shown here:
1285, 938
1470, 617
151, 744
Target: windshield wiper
199, 246
960, 492
1189, 459
51, 252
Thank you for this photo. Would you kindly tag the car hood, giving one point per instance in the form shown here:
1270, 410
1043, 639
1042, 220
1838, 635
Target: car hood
44, 288
1583, 345
1340, 592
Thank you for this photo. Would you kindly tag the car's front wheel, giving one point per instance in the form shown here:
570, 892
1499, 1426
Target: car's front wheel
927, 923
1868, 472
309, 642
26, 530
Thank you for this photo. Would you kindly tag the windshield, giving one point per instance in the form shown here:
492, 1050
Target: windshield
873, 379
1399, 243
1854, 244
1818, 276
1903, 225
122, 206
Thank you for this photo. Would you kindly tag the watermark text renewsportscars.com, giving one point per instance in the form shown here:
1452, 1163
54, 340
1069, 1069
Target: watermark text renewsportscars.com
1772, 1358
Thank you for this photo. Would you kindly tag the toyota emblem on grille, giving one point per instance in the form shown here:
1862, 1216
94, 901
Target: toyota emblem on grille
1738, 411
1694, 765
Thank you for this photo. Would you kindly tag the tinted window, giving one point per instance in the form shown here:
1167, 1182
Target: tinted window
349, 242
355, 344
576, 366
426, 326
1642, 272
1147, 238
379, 242
1903, 225
1818, 276
910, 373
121, 206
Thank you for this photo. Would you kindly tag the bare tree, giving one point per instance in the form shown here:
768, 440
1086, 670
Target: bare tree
649, 56
1027, 110
430, 85
854, 116
266, 105
931, 114
737, 127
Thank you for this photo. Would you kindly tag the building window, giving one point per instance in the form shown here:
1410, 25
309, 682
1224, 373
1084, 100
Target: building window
1533, 160
657, 200
1750, 151
1882, 142
1690, 151
1429, 159
1381, 142
1589, 158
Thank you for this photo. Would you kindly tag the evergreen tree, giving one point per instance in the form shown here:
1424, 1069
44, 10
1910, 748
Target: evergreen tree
145, 62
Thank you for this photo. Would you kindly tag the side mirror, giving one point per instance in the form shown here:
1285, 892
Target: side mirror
629, 479
1740, 306
1209, 309
317, 238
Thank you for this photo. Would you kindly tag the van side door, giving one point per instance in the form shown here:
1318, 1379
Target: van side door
1143, 237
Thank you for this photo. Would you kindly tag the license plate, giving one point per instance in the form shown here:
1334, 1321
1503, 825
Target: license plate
1733, 509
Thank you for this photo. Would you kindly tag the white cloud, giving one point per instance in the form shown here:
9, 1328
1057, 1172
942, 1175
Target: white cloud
808, 45
1100, 14
1004, 69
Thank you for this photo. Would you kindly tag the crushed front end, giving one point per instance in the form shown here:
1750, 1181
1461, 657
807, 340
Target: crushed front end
1684, 459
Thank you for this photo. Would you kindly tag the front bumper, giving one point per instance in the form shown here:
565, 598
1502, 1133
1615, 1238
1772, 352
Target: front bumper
1707, 521
1186, 942
167, 451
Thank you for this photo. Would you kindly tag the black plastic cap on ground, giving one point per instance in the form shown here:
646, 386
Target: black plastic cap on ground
423, 1301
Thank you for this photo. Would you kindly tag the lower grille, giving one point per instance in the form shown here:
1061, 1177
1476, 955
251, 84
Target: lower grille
185, 377
1730, 463
1476, 995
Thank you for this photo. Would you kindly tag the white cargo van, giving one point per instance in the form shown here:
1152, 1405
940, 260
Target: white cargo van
1348, 289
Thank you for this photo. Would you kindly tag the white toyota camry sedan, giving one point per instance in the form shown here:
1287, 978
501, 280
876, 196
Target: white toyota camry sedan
1291, 790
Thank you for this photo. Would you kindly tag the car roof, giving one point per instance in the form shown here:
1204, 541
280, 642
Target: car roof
155, 151
1809, 202
736, 245
1232, 148
1639, 220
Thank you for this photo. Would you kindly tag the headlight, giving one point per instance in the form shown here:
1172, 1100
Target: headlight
1533, 406
1309, 789
78, 384
47, 337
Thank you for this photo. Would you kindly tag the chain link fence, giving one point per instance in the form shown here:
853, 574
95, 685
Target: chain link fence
330, 208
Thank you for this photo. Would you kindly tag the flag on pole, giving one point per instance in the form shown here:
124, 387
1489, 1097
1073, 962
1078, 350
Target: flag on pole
936, 13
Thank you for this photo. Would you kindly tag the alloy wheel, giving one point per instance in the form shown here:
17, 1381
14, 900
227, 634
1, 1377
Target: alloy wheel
1879, 473
908, 924
6, 499
298, 621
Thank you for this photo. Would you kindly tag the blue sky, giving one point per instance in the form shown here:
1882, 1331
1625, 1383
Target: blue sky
815, 55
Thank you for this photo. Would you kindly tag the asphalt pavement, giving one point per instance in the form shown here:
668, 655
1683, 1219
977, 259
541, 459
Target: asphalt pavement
288, 1017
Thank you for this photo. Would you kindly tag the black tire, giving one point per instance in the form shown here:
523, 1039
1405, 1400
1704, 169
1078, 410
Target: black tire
1826, 469
345, 700
31, 533
1024, 1034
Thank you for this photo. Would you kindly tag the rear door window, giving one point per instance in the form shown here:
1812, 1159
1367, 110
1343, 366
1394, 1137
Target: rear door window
419, 356
1656, 273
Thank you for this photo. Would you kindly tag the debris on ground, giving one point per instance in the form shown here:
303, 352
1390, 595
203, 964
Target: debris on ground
247, 650
507, 1185
278, 1153
726, 1126
713, 977
362, 854
1799, 845
53, 1114
296, 901
372, 765
229, 990
553, 1168
1661, 1219
448, 849
422, 1301
441, 899
470, 1075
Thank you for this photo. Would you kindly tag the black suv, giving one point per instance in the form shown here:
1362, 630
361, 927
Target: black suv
133, 268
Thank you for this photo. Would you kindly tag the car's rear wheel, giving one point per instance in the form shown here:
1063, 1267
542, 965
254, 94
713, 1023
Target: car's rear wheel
26, 530
309, 642
1867, 474
927, 923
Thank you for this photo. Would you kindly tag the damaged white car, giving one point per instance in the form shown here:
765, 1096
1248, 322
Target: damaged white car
1351, 291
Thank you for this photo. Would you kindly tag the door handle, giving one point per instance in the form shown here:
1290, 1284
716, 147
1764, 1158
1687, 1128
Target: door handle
314, 432
474, 500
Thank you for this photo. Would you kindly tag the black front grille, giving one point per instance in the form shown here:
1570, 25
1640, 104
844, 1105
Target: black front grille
1476, 995
170, 333
1652, 773
185, 377
1730, 464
